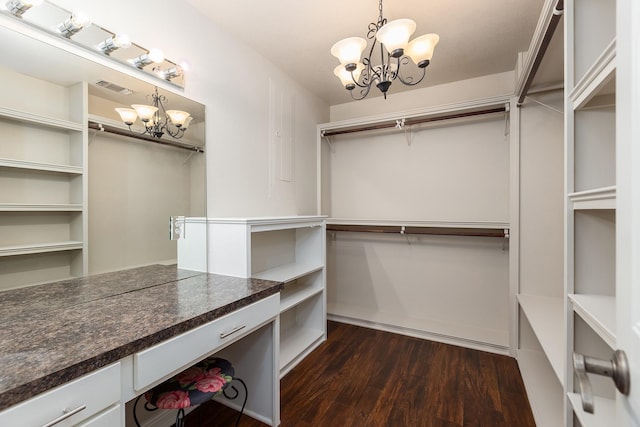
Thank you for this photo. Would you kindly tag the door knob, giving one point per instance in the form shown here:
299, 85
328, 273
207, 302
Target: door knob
617, 369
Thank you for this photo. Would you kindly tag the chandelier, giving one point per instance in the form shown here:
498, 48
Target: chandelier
394, 39
156, 119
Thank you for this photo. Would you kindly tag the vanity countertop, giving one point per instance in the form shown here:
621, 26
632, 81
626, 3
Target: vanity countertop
53, 333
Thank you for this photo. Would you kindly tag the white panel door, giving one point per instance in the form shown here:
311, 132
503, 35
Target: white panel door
628, 200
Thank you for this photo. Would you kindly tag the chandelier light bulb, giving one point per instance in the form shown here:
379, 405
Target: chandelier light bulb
178, 117
115, 42
349, 50
127, 115
19, 7
186, 123
420, 49
395, 35
76, 22
145, 112
345, 76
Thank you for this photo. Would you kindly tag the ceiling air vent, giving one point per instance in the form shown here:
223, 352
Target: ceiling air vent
114, 87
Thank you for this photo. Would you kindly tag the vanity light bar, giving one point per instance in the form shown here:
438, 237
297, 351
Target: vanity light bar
77, 21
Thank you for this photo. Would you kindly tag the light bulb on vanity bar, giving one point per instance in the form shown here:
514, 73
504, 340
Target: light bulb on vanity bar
113, 43
19, 7
153, 56
76, 22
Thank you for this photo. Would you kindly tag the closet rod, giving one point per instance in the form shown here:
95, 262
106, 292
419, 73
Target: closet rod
410, 122
124, 132
546, 40
439, 231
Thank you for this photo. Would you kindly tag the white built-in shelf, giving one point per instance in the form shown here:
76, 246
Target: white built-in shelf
597, 80
44, 167
40, 248
295, 341
599, 198
546, 317
36, 119
24, 207
599, 312
604, 411
288, 272
291, 297
543, 389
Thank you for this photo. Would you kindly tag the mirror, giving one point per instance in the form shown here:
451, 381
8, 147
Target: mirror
77, 200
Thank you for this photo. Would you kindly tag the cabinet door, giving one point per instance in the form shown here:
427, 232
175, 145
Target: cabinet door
628, 236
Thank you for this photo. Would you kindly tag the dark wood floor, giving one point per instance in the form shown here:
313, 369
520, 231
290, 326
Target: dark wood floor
363, 377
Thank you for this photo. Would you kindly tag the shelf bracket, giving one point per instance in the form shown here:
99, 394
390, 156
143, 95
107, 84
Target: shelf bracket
545, 105
507, 108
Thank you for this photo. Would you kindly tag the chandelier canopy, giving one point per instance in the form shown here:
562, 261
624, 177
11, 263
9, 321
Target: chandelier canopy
396, 51
156, 119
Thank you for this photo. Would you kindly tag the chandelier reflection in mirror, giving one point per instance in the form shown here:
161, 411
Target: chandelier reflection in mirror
394, 39
156, 119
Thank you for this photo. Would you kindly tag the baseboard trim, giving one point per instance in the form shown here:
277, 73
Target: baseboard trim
445, 339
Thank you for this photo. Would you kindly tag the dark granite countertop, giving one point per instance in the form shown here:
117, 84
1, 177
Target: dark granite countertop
56, 332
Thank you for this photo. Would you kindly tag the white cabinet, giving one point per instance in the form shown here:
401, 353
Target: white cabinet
43, 185
157, 363
590, 227
72, 403
284, 249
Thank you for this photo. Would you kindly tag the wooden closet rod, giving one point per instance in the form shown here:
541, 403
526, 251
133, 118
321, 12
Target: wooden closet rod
439, 231
546, 40
410, 122
124, 132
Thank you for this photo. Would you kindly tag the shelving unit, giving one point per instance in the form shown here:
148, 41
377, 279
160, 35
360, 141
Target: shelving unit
43, 199
284, 249
590, 225
545, 396
544, 315
606, 411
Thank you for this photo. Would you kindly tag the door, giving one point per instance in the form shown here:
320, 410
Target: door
628, 203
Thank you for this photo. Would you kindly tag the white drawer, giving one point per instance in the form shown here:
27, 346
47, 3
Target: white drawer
95, 391
159, 362
110, 418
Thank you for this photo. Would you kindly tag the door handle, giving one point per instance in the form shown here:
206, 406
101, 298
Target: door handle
617, 369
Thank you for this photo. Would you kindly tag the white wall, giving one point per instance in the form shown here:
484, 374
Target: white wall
541, 196
457, 170
233, 82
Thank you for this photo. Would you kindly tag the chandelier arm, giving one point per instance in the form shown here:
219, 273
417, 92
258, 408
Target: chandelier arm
144, 132
409, 81
177, 134
166, 125
364, 92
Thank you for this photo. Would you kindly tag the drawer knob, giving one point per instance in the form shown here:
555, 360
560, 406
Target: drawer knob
67, 413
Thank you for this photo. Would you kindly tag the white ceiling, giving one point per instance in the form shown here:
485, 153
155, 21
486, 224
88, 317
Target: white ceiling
477, 37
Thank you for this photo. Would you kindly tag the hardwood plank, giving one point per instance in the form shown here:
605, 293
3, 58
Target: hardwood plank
363, 377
